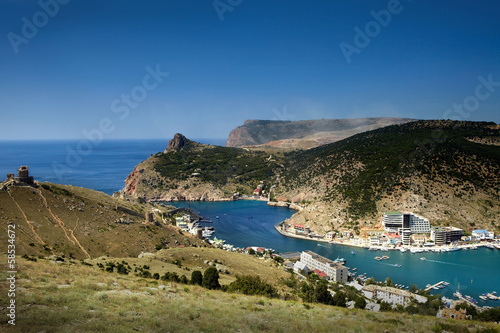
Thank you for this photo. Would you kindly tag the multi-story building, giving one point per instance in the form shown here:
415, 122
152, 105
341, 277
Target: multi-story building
391, 295
335, 271
446, 235
438, 235
392, 221
399, 222
453, 234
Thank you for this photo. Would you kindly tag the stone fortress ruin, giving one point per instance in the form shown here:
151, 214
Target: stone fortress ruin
23, 178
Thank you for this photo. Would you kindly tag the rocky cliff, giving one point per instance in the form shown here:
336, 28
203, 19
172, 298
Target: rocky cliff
192, 171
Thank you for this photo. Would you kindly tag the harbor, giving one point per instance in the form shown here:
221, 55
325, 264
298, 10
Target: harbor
472, 268
437, 286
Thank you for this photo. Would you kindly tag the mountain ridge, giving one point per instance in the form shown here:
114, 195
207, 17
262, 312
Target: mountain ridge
303, 133
447, 171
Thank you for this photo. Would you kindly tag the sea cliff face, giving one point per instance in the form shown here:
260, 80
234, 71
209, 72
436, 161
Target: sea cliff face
192, 171
144, 182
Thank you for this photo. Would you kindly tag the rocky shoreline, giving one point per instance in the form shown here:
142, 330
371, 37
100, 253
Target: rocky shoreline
285, 204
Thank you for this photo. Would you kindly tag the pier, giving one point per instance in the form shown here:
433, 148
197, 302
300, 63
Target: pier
469, 302
434, 285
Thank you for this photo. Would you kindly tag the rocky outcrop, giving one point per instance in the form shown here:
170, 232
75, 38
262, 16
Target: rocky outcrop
284, 204
176, 143
131, 181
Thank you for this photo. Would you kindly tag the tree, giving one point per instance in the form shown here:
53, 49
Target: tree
322, 294
183, 279
339, 299
251, 251
211, 278
413, 288
360, 303
389, 282
252, 285
469, 308
196, 278
313, 277
370, 281
307, 292
384, 306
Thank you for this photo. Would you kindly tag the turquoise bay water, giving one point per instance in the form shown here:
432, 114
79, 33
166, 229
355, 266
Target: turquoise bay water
250, 223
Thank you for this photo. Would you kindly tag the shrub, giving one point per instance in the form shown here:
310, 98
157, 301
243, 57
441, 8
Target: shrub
252, 285
211, 278
196, 278
360, 303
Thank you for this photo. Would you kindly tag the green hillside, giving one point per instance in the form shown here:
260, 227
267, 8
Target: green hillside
417, 157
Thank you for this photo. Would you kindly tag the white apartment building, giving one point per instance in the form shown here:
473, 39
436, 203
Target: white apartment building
391, 295
397, 221
336, 271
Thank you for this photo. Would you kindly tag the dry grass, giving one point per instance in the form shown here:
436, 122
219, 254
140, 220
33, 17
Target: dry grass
68, 220
104, 302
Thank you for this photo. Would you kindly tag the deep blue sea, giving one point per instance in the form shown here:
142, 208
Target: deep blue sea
103, 167
248, 223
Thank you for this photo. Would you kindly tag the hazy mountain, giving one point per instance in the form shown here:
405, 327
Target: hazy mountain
304, 133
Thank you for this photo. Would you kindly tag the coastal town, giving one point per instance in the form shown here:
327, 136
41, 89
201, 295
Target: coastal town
399, 231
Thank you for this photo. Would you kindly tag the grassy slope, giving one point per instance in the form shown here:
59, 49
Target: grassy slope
92, 302
61, 219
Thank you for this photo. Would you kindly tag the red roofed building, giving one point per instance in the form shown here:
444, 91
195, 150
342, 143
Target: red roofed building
321, 274
299, 228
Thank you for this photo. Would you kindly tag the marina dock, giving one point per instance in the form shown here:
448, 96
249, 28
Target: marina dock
434, 285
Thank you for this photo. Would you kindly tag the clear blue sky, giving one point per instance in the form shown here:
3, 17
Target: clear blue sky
265, 60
